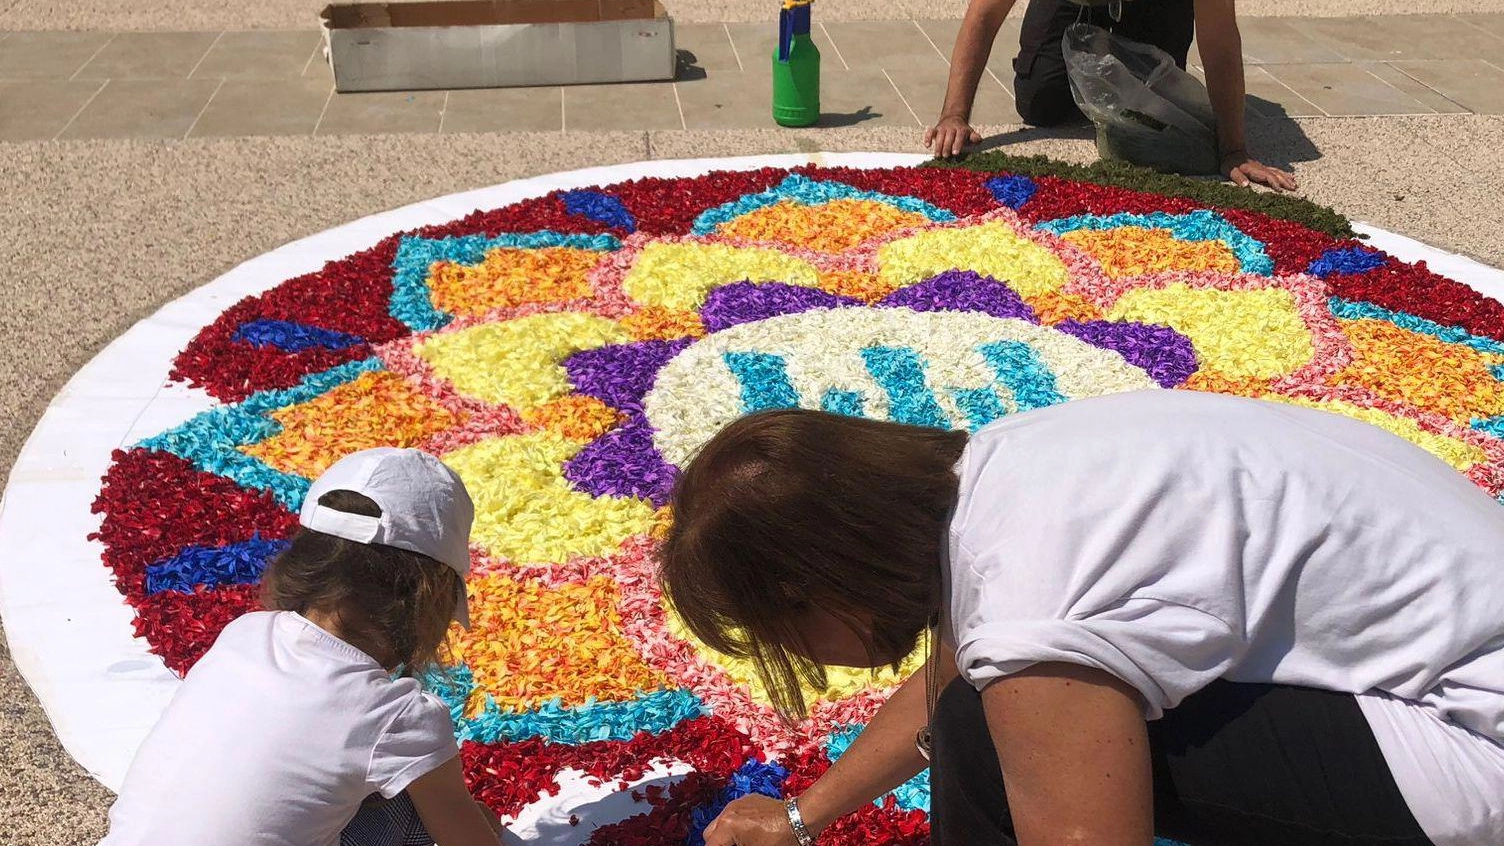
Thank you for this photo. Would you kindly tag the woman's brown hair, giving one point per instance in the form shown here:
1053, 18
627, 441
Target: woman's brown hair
791, 509
395, 605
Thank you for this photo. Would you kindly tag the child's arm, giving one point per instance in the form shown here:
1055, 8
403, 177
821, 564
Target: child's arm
449, 813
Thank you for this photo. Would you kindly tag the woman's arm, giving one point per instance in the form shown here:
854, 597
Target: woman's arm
881, 758
1075, 754
973, 45
1221, 48
450, 814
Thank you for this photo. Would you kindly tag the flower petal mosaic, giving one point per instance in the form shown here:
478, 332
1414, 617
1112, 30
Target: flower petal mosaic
567, 354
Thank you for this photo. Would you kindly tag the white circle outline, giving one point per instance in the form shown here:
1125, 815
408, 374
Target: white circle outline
69, 629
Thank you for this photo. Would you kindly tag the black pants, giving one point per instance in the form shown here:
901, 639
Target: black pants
1234, 764
386, 822
1040, 85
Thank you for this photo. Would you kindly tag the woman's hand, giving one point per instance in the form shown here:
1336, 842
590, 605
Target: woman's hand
1242, 170
752, 821
949, 135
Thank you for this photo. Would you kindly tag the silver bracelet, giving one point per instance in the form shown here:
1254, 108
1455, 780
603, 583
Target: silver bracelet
796, 822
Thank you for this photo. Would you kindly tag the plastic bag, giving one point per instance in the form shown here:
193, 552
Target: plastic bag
1147, 111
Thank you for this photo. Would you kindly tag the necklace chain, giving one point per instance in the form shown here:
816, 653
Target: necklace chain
924, 739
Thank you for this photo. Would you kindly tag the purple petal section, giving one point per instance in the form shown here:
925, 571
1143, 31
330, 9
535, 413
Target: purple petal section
745, 302
620, 375
623, 462
1166, 355
962, 290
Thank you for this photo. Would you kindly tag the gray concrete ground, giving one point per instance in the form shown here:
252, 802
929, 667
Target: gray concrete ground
295, 14
100, 233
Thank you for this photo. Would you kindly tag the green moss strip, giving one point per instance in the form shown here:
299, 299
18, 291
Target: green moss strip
1124, 175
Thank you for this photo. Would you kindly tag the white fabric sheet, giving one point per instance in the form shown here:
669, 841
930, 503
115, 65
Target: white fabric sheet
68, 628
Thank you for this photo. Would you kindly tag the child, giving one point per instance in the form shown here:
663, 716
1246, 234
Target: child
291, 722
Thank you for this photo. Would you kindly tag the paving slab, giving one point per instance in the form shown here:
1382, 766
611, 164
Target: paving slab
504, 110
276, 54
615, 108
126, 108
1347, 90
381, 112
49, 55
1473, 84
244, 107
149, 55
37, 110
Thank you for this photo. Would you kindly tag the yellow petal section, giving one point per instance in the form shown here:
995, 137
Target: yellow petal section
1238, 334
680, 275
991, 249
375, 410
527, 512
1135, 250
517, 362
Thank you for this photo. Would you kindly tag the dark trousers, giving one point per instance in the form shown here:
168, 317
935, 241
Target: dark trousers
386, 822
1040, 86
1234, 764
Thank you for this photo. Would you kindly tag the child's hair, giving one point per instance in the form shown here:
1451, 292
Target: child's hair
392, 603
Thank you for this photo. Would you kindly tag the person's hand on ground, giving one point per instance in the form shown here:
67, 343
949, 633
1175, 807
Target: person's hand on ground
949, 135
1244, 171
751, 821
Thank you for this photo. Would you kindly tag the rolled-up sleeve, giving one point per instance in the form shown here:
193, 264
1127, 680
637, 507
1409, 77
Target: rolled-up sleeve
1164, 650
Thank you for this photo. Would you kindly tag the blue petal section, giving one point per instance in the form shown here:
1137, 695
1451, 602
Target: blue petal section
837, 401
912, 795
900, 373
1200, 225
1020, 369
754, 778
288, 336
653, 712
411, 302
1346, 260
601, 208
806, 191
1012, 191
980, 405
232, 564
1354, 310
764, 378
211, 440
1493, 426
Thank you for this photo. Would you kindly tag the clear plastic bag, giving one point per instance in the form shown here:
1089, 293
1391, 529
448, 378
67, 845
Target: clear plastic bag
1147, 111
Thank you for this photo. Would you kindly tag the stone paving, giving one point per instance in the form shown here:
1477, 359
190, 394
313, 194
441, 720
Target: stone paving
91, 85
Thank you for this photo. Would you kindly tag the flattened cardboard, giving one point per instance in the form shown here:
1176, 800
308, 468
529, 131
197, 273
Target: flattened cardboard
497, 43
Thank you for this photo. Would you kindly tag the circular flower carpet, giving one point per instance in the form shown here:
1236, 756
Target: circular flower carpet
566, 352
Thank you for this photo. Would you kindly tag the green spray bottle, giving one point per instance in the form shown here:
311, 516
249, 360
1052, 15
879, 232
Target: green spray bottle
796, 68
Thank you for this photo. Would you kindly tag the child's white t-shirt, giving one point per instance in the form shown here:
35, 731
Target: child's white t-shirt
275, 738
1173, 538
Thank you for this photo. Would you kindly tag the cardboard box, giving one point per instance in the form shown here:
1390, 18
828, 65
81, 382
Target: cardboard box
497, 43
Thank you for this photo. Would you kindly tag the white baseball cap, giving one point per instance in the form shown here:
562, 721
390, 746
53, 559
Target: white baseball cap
424, 507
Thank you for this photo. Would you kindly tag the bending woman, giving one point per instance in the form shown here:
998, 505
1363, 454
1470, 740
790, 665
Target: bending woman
1220, 620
